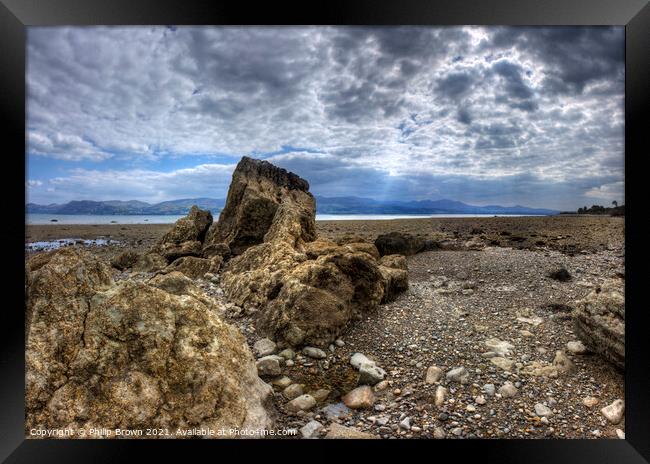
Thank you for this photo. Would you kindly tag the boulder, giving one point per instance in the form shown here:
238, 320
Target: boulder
303, 291
131, 355
398, 243
186, 237
125, 260
599, 321
259, 194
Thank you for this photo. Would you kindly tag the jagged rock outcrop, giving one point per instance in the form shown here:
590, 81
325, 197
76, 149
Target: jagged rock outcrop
195, 267
600, 321
186, 237
403, 244
263, 199
133, 355
305, 291
125, 260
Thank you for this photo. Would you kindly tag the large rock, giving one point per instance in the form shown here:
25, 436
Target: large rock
398, 243
258, 196
186, 237
125, 260
600, 321
132, 356
305, 291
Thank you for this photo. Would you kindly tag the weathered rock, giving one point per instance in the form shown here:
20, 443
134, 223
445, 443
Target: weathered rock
359, 398
282, 382
590, 401
562, 363
338, 431
599, 321
125, 260
336, 411
185, 238
397, 243
305, 291
287, 354
614, 412
358, 359
216, 249
259, 195
131, 355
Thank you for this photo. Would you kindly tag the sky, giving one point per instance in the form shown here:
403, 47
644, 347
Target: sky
528, 116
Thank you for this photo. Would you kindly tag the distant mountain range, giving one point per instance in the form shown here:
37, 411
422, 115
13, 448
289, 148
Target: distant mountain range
324, 205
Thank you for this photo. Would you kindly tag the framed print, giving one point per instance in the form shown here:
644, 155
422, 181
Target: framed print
362, 225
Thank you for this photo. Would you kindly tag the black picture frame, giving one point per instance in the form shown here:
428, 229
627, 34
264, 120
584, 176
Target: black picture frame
16, 15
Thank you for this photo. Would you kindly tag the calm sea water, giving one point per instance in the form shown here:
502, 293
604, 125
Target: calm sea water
169, 219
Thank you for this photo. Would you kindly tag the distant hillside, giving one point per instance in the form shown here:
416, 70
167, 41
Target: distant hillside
356, 205
133, 207
324, 205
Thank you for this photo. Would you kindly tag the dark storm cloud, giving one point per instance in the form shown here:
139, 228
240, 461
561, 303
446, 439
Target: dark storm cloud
407, 112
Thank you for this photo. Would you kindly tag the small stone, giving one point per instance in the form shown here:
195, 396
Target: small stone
543, 410
480, 399
434, 374
507, 390
301, 403
439, 433
381, 386
489, 389
289, 363
359, 398
620, 434
268, 366
338, 342
320, 395
370, 374
311, 429
458, 431
287, 354
470, 408
416, 429
264, 347
576, 347
358, 359
315, 353
458, 374
614, 412
293, 391
590, 401
282, 382
405, 424
441, 392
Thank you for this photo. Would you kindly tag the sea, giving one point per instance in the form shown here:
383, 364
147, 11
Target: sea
39, 219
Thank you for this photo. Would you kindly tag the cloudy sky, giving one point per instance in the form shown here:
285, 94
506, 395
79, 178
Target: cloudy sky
531, 116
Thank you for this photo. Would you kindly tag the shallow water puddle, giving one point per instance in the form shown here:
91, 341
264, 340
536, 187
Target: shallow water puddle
65, 242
